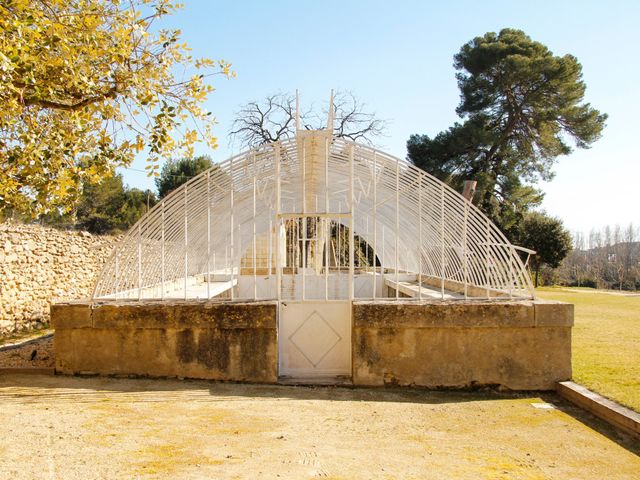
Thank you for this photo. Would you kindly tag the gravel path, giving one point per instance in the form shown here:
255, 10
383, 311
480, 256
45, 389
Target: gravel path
32, 353
71, 428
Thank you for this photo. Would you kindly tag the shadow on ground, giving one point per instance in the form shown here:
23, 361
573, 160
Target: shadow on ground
39, 389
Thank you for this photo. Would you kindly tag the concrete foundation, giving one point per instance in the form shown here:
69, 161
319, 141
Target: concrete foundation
218, 341
520, 345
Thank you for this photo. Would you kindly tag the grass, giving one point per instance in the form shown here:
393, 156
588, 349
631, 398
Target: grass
606, 342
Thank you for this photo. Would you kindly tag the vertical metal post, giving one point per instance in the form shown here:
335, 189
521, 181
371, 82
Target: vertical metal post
327, 221
295, 240
382, 263
304, 234
331, 115
366, 250
351, 252
327, 246
255, 273
304, 219
208, 279
304, 175
297, 111
397, 232
420, 236
279, 223
162, 263
375, 222
338, 242
270, 249
442, 254
117, 279
231, 229
292, 246
139, 261
486, 259
465, 254
511, 253
186, 244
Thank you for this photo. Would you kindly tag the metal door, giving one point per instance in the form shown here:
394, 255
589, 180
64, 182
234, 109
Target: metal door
314, 339
314, 285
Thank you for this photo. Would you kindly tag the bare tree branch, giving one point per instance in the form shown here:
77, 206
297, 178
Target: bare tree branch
352, 121
273, 119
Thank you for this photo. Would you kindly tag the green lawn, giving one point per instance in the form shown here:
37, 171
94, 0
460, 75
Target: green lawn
606, 342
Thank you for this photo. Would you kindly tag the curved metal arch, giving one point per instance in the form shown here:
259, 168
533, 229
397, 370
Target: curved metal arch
206, 225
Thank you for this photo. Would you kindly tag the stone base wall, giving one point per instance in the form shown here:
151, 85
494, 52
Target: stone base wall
464, 344
218, 341
39, 264
517, 345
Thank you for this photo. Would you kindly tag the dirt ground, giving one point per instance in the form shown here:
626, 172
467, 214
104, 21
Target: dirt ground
86, 428
32, 353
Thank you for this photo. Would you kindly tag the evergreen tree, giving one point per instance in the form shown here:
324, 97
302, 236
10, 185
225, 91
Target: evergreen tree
176, 172
111, 207
520, 105
547, 236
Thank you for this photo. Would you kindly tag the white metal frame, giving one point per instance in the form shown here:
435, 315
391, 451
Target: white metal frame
192, 244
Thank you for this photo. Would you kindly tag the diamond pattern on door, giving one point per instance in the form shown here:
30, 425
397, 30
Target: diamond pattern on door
315, 338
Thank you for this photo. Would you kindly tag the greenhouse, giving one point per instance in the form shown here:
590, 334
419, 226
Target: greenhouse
317, 260
314, 218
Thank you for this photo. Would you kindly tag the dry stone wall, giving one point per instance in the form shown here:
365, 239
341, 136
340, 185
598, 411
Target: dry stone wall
39, 264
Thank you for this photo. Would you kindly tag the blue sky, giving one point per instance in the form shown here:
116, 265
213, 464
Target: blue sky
397, 58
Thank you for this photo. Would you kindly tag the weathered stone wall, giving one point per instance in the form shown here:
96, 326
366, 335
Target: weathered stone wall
520, 345
39, 264
189, 339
